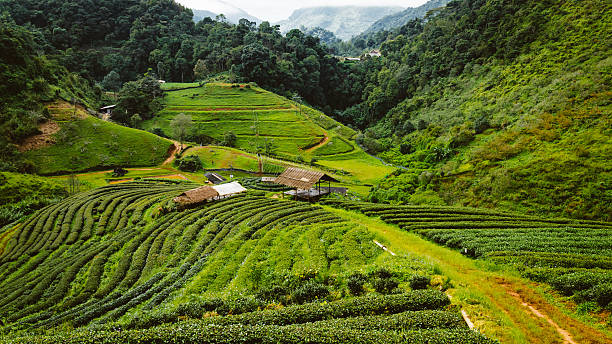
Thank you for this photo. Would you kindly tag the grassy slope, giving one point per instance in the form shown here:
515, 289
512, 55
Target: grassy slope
550, 151
217, 108
486, 291
88, 143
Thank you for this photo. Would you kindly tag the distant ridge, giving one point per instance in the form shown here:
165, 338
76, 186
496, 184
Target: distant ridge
344, 21
213, 8
401, 18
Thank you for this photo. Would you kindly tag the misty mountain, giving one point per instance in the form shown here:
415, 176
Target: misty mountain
345, 21
401, 18
215, 7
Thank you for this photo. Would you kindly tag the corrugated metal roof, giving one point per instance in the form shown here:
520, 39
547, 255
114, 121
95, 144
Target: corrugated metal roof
298, 178
229, 189
214, 177
195, 196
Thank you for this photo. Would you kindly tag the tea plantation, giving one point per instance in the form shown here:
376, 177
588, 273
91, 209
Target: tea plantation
120, 264
573, 256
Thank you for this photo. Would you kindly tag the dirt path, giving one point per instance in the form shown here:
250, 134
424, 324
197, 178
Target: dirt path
176, 148
320, 144
44, 139
567, 338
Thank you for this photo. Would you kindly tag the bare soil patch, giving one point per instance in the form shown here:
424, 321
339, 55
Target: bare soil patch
44, 139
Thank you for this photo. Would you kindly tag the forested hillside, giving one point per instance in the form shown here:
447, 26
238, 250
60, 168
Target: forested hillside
496, 103
27, 82
115, 41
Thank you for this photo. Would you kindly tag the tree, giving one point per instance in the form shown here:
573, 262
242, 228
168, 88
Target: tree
229, 139
135, 120
180, 126
112, 81
200, 71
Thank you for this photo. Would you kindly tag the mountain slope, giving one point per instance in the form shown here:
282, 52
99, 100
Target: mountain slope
401, 18
212, 8
344, 21
515, 117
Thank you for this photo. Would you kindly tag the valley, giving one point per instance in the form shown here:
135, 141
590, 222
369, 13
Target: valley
170, 175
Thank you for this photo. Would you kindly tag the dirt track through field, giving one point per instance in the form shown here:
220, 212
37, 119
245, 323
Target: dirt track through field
320, 144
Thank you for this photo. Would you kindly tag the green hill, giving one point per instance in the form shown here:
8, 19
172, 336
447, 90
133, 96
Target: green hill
514, 117
84, 142
115, 258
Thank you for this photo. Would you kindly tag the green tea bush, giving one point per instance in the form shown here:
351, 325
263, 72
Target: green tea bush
310, 291
419, 282
355, 283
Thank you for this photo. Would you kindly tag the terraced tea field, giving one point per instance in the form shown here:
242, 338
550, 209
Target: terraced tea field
251, 113
246, 267
574, 257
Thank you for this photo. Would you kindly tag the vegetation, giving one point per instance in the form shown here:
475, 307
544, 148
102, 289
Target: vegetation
572, 256
84, 142
21, 195
513, 115
85, 265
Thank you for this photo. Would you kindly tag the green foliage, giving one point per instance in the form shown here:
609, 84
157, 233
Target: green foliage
572, 256
190, 163
525, 134
138, 97
229, 139
419, 282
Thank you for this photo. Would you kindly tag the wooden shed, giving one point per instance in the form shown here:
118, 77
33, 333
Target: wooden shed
304, 181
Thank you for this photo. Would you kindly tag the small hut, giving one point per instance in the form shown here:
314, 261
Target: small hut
214, 177
196, 196
229, 189
268, 180
304, 181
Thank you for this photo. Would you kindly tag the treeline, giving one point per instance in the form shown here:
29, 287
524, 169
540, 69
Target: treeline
115, 41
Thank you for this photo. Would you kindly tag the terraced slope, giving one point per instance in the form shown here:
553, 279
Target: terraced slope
119, 257
574, 256
256, 116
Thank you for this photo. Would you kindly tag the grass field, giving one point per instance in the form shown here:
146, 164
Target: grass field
249, 112
88, 143
246, 267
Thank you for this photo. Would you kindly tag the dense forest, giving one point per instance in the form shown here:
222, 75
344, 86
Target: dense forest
116, 41
495, 103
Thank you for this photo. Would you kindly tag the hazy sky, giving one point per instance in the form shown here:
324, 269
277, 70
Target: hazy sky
275, 10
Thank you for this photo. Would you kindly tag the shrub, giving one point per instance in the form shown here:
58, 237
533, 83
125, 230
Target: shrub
273, 293
309, 292
419, 282
355, 284
384, 285
190, 163
600, 293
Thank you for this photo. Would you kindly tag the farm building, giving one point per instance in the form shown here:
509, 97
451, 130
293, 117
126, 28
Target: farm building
208, 193
229, 189
214, 178
304, 182
269, 180
108, 109
196, 196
